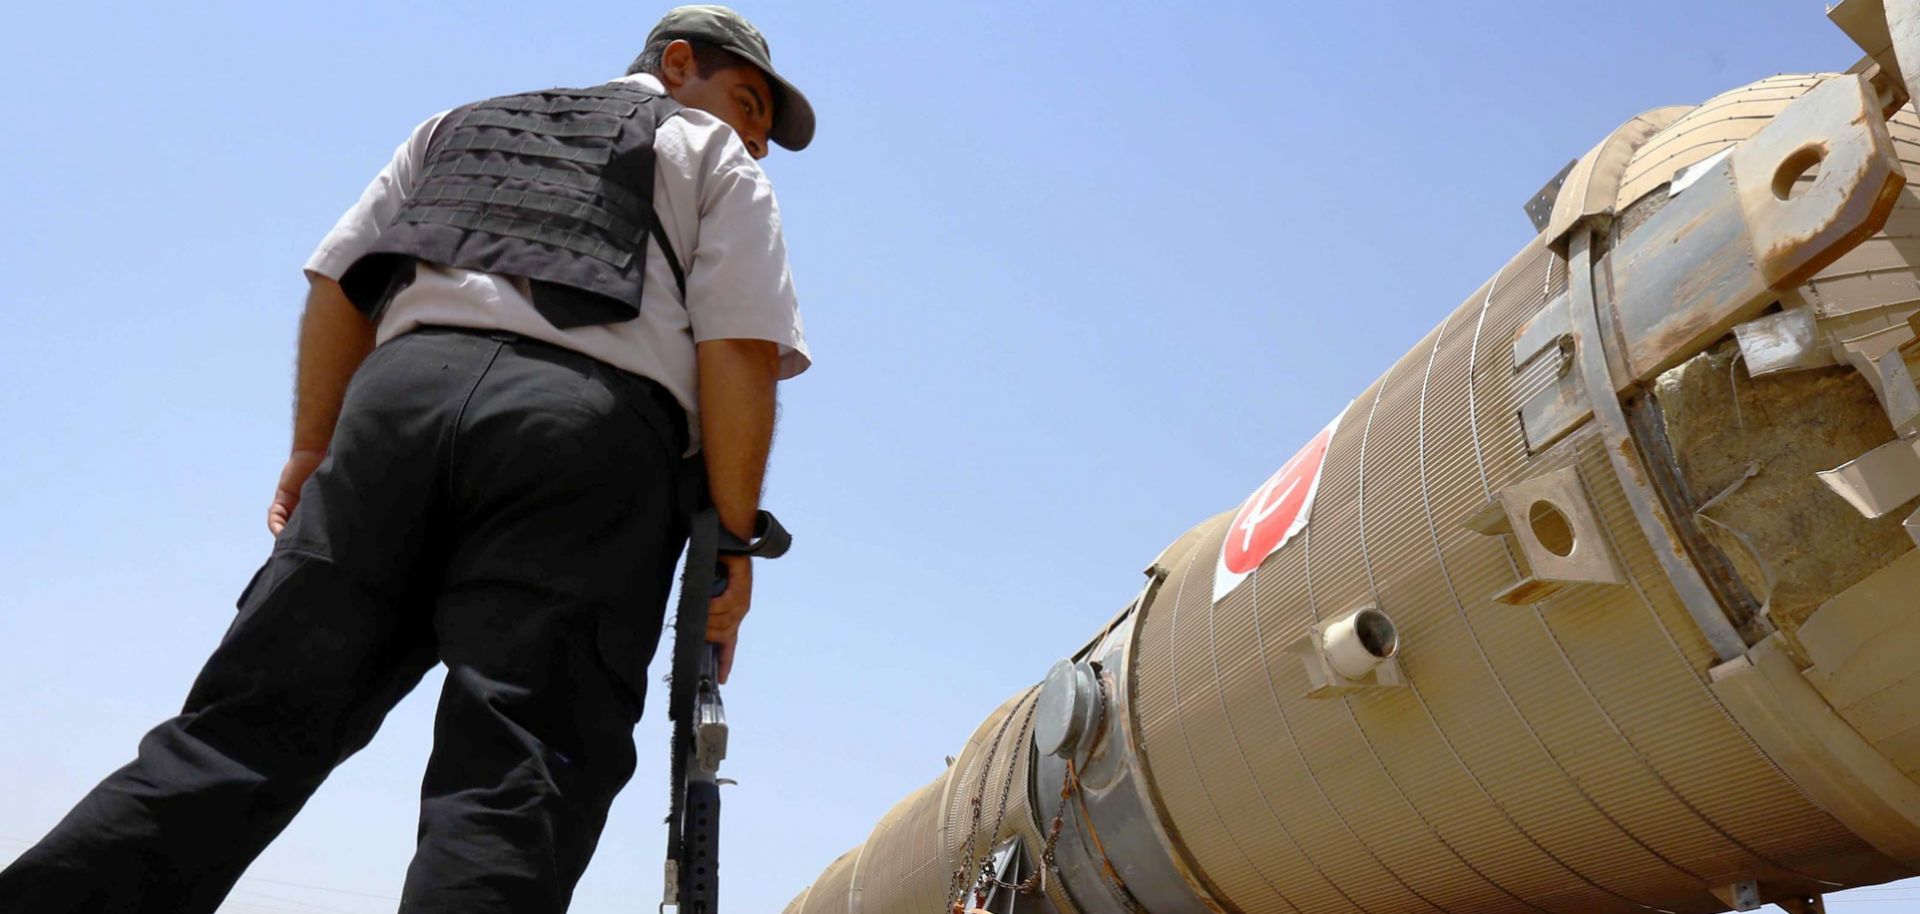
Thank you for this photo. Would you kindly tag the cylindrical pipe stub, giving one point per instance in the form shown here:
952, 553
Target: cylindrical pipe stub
1359, 641
1067, 710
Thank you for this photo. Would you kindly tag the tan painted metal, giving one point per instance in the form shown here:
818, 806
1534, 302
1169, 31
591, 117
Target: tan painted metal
1580, 744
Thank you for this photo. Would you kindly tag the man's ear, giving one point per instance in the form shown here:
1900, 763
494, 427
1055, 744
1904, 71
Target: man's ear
676, 63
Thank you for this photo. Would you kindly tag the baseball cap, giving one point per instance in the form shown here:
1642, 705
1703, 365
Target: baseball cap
726, 29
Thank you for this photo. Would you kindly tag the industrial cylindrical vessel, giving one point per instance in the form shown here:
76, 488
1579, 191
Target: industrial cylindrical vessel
1602, 598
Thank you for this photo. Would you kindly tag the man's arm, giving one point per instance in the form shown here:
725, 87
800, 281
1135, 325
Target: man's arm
334, 339
737, 381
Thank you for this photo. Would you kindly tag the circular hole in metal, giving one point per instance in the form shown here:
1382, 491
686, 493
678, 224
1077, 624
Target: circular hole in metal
1550, 528
1376, 633
1803, 163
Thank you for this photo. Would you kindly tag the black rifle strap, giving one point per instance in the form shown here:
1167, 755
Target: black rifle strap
689, 642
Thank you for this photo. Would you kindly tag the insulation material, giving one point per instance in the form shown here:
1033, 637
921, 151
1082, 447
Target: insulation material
1784, 428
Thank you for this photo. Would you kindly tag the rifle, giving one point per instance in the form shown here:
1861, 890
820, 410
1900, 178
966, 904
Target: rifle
698, 716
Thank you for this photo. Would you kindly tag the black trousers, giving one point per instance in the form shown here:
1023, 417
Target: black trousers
495, 504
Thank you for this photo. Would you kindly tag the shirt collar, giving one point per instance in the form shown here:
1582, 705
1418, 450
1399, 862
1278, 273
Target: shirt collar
646, 81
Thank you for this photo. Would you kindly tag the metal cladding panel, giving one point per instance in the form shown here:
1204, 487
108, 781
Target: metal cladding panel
1319, 859
828, 894
992, 773
989, 773
1452, 694
1719, 122
1302, 851
1562, 756
1475, 699
1702, 793
903, 865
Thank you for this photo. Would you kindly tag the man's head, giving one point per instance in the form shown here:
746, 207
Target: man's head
713, 59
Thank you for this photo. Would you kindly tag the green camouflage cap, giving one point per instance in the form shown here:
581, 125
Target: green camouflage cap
720, 26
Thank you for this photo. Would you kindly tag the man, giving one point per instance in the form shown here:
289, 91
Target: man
570, 290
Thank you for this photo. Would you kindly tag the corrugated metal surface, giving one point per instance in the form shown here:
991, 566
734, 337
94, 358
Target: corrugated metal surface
1566, 756
994, 775
907, 862
1719, 122
903, 866
828, 894
982, 772
1559, 757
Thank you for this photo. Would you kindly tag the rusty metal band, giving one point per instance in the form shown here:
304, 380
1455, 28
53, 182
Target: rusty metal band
1628, 465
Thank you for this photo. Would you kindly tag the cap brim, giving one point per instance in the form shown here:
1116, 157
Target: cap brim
792, 116
792, 113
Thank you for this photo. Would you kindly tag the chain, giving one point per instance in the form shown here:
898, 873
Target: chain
957, 886
1037, 880
986, 876
1069, 784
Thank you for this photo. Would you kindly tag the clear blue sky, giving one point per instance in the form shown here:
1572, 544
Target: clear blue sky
1076, 276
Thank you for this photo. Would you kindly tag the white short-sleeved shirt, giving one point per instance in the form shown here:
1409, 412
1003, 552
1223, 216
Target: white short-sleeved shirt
718, 210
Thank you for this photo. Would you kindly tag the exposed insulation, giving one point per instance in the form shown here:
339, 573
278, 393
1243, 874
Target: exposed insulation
1783, 428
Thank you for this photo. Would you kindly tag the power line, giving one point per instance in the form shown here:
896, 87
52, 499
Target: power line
304, 905
321, 888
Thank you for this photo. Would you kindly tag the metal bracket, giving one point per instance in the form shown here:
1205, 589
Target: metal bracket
1877, 356
1558, 532
1559, 408
1865, 21
1721, 251
1740, 896
1540, 207
1880, 480
1787, 341
1750, 895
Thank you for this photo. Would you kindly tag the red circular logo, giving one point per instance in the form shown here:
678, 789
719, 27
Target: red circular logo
1276, 511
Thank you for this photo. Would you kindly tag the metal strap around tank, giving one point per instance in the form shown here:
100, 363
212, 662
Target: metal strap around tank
541, 124
1611, 419
523, 146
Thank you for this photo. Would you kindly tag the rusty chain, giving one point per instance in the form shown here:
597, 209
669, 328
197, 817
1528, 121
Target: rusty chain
957, 887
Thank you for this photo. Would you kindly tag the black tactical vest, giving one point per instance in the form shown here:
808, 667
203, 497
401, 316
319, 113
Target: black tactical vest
554, 186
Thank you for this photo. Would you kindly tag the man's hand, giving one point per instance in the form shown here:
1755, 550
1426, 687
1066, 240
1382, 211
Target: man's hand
334, 340
729, 609
300, 465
